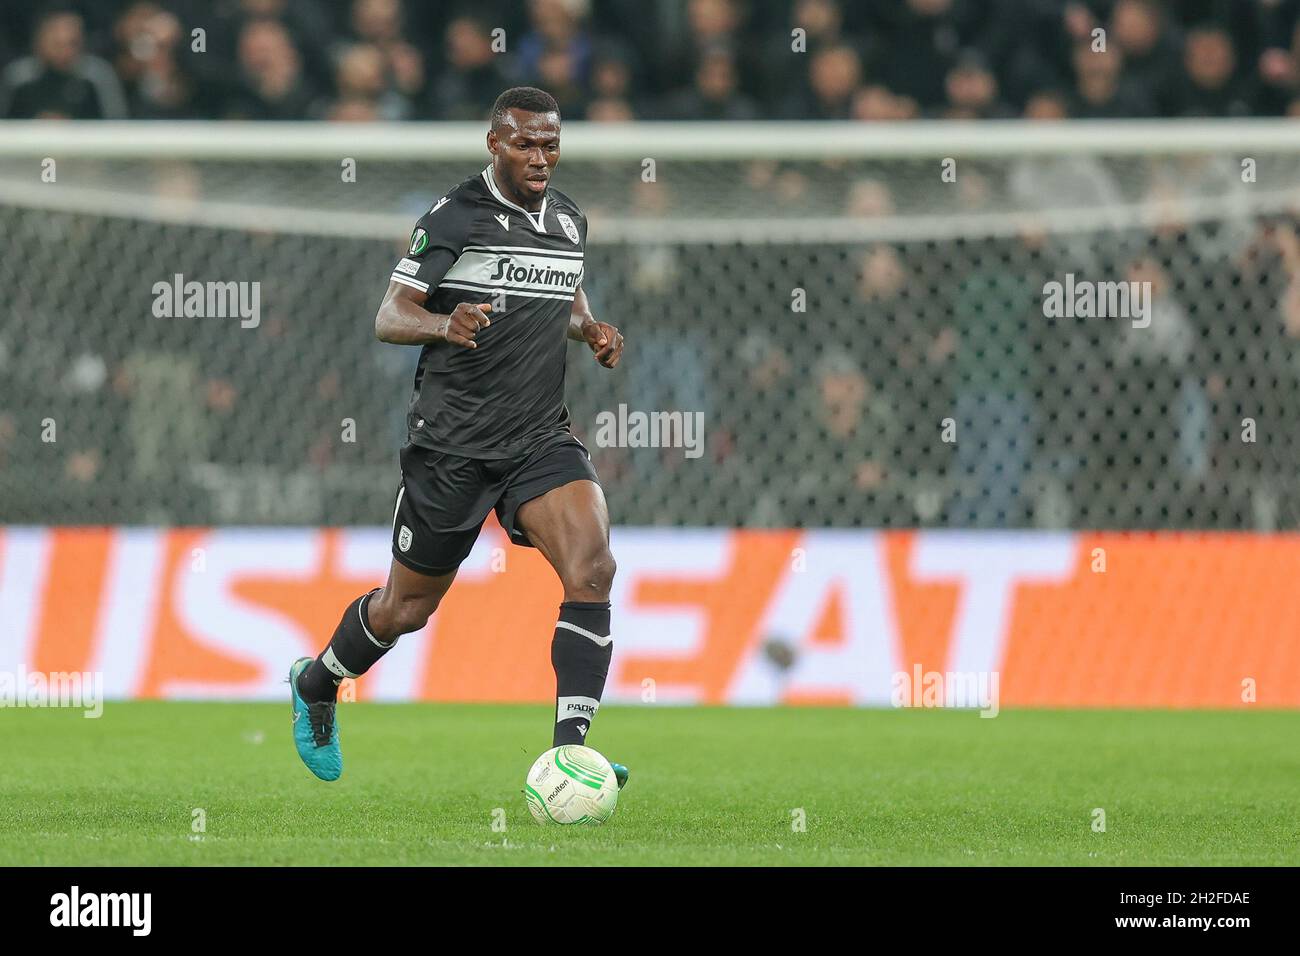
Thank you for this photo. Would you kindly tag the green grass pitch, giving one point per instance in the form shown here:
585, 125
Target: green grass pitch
709, 786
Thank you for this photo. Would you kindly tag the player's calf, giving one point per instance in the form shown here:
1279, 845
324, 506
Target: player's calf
582, 646
370, 628
580, 653
392, 614
351, 652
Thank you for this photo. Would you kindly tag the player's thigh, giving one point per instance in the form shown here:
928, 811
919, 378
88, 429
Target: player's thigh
440, 508
441, 505
570, 526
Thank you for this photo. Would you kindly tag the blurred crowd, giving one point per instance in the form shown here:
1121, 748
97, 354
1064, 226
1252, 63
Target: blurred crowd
829, 417
1062, 423
611, 60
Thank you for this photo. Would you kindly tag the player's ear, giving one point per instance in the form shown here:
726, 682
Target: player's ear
492, 141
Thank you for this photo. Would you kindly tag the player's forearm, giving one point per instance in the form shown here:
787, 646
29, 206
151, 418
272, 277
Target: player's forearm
576, 323
580, 316
401, 322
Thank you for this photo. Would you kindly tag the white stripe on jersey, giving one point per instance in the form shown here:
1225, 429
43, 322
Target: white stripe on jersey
536, 271
407, 280
527, 250
514, 293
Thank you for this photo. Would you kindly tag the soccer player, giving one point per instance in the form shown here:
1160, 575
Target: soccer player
490, 288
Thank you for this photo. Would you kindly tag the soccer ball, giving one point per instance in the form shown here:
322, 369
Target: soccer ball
571, 784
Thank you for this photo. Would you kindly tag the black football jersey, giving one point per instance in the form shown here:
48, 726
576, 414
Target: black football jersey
475, 245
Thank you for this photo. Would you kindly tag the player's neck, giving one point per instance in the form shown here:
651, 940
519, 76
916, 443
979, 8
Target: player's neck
531, 204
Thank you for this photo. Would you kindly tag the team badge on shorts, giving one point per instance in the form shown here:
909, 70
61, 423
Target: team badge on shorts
404, 539
566, 223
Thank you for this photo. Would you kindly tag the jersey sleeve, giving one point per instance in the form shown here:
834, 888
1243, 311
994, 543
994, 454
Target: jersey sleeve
436, 243
582, 231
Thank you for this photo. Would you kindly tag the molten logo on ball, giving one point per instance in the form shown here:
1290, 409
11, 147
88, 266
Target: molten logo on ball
571, 784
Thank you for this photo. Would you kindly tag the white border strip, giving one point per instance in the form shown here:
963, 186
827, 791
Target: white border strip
396, 227
227, 140
600, 639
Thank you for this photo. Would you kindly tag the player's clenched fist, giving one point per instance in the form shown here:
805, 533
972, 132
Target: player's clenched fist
463, 324
605, 340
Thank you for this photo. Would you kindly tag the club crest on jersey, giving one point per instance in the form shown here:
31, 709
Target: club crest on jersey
404, 539
419, 242
566, 223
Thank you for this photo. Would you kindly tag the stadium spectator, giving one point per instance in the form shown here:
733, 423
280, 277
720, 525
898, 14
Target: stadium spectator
1151, 51
869, 197
712, 59
1212, 87
1152, 360
558, 73
556, 52
272, 83
877, 103
785, 73
472, 73
922, 46
1047, 104
353, 110
1100, 89
1278, 66
821, 20
996, 309
765, 425
972, 91
1079, 182
149, 60
611, 87
378, 25
711, 25
60, 80
834, 75
363, 78
855, 428
1027, 46
883, 289
308, 24
715, 95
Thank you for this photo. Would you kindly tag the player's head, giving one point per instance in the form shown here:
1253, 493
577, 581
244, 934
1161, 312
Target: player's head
524, 141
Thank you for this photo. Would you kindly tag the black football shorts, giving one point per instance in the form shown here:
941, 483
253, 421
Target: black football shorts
444, 499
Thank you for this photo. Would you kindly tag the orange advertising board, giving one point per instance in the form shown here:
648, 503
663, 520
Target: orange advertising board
700, 615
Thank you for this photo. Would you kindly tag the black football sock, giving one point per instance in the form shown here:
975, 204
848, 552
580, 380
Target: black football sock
351, 652
580, 653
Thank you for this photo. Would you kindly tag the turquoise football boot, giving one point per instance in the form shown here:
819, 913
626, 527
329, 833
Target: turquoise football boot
315, 729
620, 774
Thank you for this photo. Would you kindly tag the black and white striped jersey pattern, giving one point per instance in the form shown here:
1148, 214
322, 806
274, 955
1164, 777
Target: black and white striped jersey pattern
476, 240
475, 245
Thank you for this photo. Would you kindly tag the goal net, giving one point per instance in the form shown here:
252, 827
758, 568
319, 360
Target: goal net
997, 326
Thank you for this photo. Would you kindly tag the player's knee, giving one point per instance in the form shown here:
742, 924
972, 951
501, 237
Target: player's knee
590, 578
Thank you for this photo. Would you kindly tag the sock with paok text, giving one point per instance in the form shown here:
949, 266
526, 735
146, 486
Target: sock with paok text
580, 654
